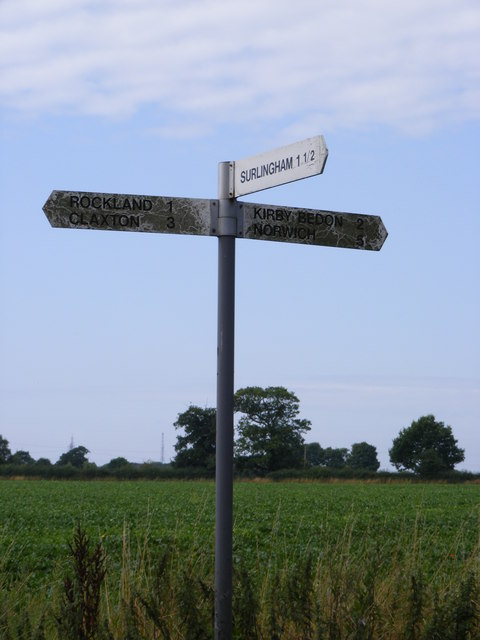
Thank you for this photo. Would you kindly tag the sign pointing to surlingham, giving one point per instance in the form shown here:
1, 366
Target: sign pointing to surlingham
272, 168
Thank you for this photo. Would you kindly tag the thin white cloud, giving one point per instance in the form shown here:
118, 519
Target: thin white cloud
413, 65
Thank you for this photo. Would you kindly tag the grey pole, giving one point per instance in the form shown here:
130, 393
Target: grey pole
227, 228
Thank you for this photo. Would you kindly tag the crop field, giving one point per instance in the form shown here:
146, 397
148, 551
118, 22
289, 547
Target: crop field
330, 559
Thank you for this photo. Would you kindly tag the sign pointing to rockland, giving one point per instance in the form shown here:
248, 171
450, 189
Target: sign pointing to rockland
312, 226
115, 212
285, 164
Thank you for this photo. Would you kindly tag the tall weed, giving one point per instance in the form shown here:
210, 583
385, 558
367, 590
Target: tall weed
352, 587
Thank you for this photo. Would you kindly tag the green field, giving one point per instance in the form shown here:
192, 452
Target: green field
375, 535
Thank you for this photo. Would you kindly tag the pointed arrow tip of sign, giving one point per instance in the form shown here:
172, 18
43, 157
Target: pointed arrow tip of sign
383, 234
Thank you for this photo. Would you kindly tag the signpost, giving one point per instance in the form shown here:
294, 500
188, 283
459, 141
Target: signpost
227, 219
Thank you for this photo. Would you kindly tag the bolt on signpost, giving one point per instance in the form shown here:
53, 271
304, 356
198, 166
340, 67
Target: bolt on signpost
227, 219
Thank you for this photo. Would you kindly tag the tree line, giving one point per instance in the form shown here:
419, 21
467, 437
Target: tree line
269, 439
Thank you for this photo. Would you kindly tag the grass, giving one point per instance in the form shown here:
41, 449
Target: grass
310, 560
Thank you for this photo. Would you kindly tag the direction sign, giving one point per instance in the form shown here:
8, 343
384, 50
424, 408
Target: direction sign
311, 226
285, 164
115, 212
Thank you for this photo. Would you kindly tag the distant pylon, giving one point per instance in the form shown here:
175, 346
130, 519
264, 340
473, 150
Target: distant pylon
72, 444
163, 447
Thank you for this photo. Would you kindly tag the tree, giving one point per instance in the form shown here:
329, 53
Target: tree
426, 447
270, 434
5, 452
197, 447
314, 454
21, 457
335, 458
43, 462
363, 456
117, 463
77, 457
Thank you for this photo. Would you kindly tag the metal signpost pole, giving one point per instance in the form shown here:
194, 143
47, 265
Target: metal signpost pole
227, 229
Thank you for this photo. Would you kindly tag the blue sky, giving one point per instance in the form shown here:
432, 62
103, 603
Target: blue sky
107, 336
